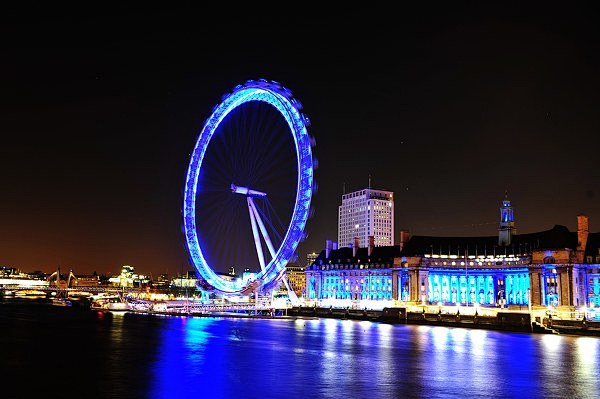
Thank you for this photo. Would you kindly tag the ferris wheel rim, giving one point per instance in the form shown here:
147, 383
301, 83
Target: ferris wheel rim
289, 108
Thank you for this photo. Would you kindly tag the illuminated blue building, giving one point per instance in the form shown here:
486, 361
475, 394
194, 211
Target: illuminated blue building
555, 268
344, 276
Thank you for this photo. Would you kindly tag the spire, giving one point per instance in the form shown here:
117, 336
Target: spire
506, 201
507, 224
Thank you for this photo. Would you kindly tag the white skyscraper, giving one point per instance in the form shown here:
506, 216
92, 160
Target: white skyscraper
365, 213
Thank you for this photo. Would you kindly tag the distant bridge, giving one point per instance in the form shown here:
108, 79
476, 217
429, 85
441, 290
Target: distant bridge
50, 289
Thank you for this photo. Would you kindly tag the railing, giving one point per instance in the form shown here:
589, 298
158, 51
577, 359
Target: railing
183, 306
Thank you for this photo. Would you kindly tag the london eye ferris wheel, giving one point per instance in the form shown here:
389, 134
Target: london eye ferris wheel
248, 188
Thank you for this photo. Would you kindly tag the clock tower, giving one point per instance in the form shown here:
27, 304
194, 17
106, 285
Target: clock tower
507, 222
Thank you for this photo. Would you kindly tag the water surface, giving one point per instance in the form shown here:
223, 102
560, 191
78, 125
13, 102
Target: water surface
78, 353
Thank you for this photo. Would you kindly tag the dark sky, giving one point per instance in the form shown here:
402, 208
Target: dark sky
446, 105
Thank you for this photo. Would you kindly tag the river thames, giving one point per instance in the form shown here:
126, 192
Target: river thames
77, 353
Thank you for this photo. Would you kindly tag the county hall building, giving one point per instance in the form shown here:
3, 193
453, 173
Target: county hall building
556, 267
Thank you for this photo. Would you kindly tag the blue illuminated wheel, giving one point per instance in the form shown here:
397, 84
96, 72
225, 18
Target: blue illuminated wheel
248, 188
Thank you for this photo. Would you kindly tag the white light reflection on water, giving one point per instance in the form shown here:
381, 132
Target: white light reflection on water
587, 368
586, 351
329, 361
551, 356
552, 344
458, 362
383, 337
477, 344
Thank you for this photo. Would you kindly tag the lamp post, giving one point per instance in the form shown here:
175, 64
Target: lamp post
467, 278
501, 299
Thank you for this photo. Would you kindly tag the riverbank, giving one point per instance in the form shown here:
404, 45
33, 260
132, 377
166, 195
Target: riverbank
510, 320
515, 321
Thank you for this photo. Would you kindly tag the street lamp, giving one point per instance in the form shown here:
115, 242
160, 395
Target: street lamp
467, 277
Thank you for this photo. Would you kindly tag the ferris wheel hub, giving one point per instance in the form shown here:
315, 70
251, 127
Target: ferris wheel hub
246, 191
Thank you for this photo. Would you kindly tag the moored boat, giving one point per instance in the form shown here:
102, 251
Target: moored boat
110, 303
61, 302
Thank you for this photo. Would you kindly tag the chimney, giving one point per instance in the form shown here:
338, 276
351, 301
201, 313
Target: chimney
327, 248
582, 236
355, 247
404, 236
335, 245
371, 245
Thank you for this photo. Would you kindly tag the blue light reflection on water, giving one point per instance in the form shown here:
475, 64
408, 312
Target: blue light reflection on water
326, 358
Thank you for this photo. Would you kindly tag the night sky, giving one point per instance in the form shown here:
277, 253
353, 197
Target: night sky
446, 105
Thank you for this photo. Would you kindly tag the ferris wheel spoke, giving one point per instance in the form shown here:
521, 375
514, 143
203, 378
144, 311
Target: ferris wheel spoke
256, 222
257, 243
276, 218
268, 218
263, 230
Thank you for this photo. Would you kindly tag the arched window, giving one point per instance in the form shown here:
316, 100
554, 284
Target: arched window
549, 259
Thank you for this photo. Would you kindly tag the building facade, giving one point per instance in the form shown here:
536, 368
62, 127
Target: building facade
128, 278
351, 276
295, 275
88, 280
366, 213
553, 268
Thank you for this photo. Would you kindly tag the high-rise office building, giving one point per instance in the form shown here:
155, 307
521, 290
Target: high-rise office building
365, 213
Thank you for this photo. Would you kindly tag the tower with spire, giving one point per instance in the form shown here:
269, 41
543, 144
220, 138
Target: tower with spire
507, 222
